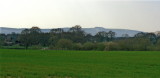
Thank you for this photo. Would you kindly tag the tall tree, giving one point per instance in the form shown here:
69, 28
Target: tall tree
111, 35
152, 37
53, 40
35, 35
2, 39
76, 28
102, 36
89, 38
55, 31
77, 34
44, 39
30, 36
25, 38
35, 30
158, 35
140, 35
125, 35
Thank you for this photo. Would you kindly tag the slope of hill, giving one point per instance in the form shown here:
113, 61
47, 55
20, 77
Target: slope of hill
93, 31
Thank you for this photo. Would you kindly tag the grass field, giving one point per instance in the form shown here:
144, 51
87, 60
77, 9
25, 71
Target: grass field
79, 64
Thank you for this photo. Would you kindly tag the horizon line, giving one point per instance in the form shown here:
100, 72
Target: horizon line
81, 26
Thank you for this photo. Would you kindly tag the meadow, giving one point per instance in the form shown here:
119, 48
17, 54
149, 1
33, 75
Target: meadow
79, 64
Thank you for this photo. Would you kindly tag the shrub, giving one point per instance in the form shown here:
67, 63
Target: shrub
134, 44
100, 46
77, 46
109, 46
157, 48
88, 46
64, 44
37, 47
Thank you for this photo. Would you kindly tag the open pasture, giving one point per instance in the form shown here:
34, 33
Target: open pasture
79, 64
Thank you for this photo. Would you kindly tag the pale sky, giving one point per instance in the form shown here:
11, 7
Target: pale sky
141, 15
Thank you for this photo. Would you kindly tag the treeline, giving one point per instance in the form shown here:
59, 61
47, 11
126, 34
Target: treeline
76, 39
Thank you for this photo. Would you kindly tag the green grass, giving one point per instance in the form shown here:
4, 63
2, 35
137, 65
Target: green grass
79, 64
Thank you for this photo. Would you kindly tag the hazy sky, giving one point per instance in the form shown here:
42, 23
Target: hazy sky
125, 14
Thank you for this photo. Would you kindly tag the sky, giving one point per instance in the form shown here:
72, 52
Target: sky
143, 15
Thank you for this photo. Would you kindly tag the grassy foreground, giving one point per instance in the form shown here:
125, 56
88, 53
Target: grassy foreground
79, 64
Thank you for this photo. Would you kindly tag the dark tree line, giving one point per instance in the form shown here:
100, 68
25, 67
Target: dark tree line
76, 39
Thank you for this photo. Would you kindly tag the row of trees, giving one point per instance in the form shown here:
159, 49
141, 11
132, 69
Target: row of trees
76, 39
34, 36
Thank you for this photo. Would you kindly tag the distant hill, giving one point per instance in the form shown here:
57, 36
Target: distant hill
93, 31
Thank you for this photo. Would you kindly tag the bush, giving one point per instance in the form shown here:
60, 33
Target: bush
157, 47
64, 44
37, 47
109, 46
100, 46
1, 47
77, 46
89, 46
134, 44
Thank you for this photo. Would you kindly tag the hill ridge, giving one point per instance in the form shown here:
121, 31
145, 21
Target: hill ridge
92, 31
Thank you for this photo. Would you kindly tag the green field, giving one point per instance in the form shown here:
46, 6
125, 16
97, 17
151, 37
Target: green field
79, 64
